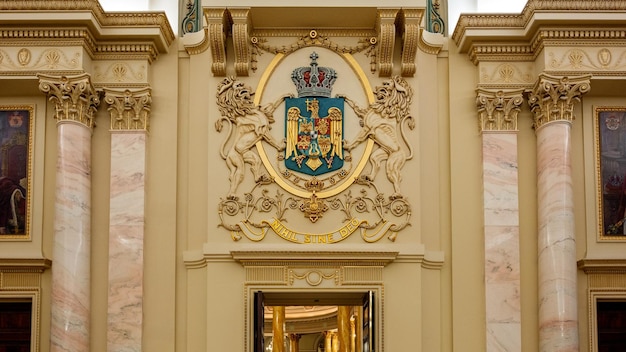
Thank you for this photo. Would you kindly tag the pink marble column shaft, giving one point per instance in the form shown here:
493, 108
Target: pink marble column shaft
558, 314
70, 306
75, 102
126, 234
552, 102
501, 221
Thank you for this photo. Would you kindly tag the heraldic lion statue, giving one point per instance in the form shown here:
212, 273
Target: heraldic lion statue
383, 122
247, 125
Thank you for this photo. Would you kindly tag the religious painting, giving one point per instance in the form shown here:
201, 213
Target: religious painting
15, 171
610, 125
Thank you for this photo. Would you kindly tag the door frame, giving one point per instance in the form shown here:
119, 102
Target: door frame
250, 290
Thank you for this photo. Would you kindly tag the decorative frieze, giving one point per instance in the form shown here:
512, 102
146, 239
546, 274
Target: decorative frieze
553, 98
130, 110
497, 111
601, 60
505, 75
125, 73
74, 97
28, 60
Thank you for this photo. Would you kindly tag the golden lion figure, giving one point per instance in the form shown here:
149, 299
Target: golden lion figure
383, 122
247, 124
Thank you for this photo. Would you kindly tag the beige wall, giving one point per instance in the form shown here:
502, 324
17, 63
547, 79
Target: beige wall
197, 280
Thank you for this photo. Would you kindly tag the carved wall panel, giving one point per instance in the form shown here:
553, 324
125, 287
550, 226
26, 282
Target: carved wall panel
319, 167
120, 73
600, 60
26, 60
507, 74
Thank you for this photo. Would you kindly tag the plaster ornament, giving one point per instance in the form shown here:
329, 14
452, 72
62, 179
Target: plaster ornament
247, 125
383, 122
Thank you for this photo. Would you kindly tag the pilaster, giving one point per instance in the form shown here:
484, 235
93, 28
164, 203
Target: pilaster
498, 112
130, 114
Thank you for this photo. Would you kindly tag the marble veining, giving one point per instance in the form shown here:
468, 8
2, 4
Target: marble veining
501, 231
70, 302
558, 325
126, 234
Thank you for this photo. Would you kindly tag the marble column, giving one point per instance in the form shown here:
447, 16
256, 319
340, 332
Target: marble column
552, 103
358, 323
130, 113
278, 329
294, 342
497, 112
75, 102
343, 328
328, 340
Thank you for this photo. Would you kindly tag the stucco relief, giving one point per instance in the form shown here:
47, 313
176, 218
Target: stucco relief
120, 72
320, 159
514, 73
587, 59
47, 59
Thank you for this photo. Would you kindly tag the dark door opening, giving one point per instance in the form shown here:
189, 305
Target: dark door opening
611, 319
15, 326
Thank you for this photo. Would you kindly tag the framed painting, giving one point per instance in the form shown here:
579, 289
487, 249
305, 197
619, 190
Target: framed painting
16, 145
610, 129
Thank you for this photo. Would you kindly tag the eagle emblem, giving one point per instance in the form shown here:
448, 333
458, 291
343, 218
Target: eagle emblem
314, 122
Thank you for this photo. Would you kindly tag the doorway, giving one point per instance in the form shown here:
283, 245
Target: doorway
15, 325
611, 329
314, 321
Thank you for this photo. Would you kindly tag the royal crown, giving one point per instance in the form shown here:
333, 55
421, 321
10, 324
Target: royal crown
314, 81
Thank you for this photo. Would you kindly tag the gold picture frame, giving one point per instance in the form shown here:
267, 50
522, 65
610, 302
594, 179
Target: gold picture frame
610, 137
16, 146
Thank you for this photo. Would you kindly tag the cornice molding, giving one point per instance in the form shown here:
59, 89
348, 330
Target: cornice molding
589, 266
511, 37
376, 39
24, 264
102, 33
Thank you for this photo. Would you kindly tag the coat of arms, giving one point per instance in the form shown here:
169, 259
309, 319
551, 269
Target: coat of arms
313, 163
314, 122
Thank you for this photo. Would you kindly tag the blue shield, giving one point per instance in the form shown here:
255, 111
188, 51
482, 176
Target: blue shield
314, 134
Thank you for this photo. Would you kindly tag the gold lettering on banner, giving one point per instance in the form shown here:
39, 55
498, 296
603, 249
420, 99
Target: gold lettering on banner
308, 238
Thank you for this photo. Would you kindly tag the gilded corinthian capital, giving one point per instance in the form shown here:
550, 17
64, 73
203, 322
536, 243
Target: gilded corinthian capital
75, 97
130, 110
553, 98
498, 110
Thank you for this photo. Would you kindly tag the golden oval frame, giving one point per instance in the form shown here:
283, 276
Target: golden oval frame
368, 147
